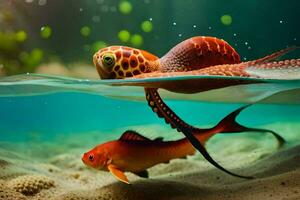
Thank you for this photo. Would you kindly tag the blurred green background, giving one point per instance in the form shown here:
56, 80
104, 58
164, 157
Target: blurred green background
60, 37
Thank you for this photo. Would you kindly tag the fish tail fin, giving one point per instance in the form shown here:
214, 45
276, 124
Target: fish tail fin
230, 125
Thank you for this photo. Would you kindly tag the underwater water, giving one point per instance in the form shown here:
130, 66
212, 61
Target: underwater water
54, 108
48, 122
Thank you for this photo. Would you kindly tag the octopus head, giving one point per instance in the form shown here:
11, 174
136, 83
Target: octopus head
118, 62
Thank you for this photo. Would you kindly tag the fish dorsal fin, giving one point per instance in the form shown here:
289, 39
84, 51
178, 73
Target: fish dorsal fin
130, 135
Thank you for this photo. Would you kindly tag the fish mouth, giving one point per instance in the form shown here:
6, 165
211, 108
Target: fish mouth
101, 167
83, 160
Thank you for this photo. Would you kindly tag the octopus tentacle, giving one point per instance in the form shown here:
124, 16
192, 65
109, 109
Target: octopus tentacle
245, 69
163, 111
233, 69
273, 56
266, 70
228, 124
158, 106
194, 56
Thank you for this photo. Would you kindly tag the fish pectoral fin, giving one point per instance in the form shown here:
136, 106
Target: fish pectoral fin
119, 174
143, 174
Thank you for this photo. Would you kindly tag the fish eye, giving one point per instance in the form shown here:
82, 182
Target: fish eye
108, 60
91, 157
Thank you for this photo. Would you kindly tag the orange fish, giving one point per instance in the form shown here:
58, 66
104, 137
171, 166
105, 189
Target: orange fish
196, 56
135, 153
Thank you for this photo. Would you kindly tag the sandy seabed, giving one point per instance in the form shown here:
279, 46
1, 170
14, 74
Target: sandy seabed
53, 170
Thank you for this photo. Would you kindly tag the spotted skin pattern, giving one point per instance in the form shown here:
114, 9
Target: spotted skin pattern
194, 56
129, 62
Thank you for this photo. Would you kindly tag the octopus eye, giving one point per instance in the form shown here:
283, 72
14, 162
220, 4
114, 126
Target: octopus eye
91, 157
108, 60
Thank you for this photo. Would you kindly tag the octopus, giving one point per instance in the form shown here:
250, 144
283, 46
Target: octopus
197, 56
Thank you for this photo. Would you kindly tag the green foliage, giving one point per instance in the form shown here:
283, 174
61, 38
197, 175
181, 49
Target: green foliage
125, 7
147, 26
14, 60
226, 20
46, 32
8, 42
98, 45
124, 36
21, 36
136, 40
31, 59
85, 31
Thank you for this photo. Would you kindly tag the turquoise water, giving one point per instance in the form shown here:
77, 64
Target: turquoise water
49, 106
47, 122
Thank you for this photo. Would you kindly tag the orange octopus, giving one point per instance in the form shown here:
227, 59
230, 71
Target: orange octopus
195, 56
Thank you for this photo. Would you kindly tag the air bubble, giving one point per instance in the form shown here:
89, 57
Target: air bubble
96, 19
281, 21
234, 34
42, 2
179, 34
194, 26
209, 28
150, 19
113, 9
104, 8
100, 1
246, 43
174, 23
